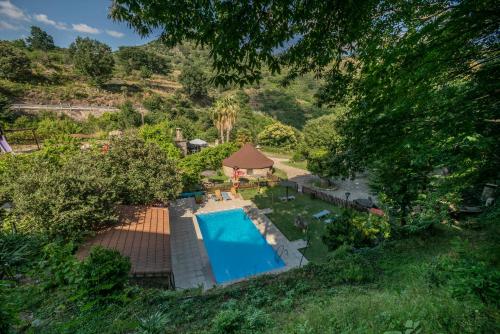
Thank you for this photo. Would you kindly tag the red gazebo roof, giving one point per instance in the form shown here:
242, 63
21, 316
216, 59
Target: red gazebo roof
248, 157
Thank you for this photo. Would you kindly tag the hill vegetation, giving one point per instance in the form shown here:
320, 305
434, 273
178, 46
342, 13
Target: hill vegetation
410, 90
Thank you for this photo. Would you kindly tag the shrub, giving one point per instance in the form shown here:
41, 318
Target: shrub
93, 59
208, 158
128, 117
233, 320
345, 266
194, 82
17, 252
8, 316
227, 321
355, 230
141, 173
467, 274
160, 134
14, 64
278, 135
102, 274
62, 198
153, 324
137, 58
58, 265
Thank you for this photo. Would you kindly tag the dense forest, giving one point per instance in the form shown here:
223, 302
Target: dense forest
405, 92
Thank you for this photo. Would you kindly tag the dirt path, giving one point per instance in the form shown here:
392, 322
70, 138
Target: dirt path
358, 188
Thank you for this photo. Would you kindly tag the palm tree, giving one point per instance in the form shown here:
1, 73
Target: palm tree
224, 115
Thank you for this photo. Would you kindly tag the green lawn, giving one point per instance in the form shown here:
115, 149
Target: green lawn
280, 173
297, 164
284, 214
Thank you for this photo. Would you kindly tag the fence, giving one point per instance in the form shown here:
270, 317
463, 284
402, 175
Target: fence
333, 199
271, 182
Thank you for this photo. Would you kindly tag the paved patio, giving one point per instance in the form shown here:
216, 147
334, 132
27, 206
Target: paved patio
190, 261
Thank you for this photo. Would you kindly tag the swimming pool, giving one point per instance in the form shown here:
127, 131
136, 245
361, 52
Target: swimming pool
235, 247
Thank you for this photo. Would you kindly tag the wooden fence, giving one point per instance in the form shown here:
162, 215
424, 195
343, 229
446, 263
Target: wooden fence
226, 186
333, 199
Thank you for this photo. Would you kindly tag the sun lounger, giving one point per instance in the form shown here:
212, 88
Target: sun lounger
321, 214
226, 196
218, 195
289, 198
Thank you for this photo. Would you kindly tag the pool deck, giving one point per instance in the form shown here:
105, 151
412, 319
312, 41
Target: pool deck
190, 261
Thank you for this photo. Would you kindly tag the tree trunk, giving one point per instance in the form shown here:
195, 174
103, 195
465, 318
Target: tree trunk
228, 130
222, 135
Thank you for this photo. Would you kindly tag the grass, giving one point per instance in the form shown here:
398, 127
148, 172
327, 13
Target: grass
280, 173
299, 301
297, 164
284, 214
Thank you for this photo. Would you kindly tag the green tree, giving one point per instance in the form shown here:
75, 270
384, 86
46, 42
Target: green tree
14, 64
40, 40
63, 199
93, 59
224, 114
128, 116
194, 82
323, 145
278, 135
142, 173
244, 136
137, 58
419, 78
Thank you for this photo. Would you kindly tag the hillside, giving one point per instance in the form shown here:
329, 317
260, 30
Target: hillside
56, 81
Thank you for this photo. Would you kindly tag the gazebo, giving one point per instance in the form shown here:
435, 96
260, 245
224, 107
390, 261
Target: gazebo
247, 162
196, 145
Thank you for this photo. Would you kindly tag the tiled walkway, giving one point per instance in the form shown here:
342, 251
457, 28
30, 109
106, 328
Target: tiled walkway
190, 261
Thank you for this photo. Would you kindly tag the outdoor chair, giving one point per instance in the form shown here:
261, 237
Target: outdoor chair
226, 196
287, 198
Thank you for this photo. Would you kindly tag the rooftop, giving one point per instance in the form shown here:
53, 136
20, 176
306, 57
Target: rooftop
248, 157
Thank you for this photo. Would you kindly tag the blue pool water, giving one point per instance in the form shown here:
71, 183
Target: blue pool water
235, 246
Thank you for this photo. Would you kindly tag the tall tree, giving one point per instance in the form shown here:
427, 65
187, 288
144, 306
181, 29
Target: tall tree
194, 81
14, 64
419, 77
224, 114
93, 59
40, 40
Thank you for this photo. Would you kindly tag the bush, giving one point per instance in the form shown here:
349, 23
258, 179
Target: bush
93, 59
17, 252
128, 117
278, 135
355, 230
467, 274
14, 64
208, 158
141, 172
194, 82
136, 58
58, 265
61, 198
102, 274
160, 134
233, 320
345, 266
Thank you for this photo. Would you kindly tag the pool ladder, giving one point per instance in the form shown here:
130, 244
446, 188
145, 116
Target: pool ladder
280, 251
